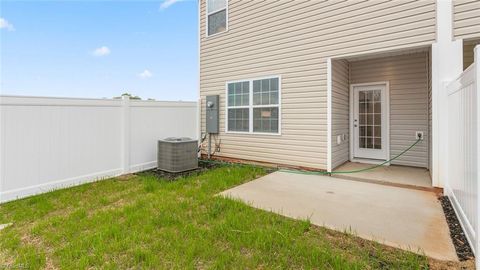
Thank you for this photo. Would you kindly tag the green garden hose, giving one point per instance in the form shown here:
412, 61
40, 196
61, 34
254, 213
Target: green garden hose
353, 171
334, 172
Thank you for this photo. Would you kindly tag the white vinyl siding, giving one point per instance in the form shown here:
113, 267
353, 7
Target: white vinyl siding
408, 80
340, 112
294, 39
466, 19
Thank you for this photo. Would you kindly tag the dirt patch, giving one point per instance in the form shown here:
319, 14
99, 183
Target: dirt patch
6, 260
463, 249
447, 265
37, 242
125, 177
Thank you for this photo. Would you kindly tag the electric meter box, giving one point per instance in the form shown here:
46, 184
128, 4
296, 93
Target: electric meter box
212, 112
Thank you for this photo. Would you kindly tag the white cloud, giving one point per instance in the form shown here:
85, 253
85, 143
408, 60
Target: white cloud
145, 74
4, 24
167, 3
102, 51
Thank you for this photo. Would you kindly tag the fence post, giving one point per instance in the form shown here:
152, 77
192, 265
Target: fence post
125, 134
476, 63
199, 124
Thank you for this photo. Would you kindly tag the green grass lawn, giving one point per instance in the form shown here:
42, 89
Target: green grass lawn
143, 222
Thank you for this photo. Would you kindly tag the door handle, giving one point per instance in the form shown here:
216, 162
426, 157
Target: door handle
355, 122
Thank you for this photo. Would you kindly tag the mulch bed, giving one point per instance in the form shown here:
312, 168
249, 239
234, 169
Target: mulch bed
202, 167
464, 252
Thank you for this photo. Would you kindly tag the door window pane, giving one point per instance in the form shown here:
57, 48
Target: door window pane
377, 119
369, 131
369, 142
369, 107
361, 142
378, 143
370, 119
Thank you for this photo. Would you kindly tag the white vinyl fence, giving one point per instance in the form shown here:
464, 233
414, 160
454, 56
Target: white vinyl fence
48, 143
463, 148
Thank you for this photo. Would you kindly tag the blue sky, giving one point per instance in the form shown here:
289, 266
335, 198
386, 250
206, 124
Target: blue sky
99, 48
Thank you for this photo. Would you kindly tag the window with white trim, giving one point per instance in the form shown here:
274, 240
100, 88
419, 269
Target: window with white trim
253, 106
216, 16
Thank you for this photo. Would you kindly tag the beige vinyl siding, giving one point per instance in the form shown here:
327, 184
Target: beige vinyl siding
468, 54
408, 80
340, 112
466, 18
293, 39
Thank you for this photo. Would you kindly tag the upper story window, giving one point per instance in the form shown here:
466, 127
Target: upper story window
217, 16
253, 106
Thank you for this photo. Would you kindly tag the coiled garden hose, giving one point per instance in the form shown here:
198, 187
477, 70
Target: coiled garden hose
354, 171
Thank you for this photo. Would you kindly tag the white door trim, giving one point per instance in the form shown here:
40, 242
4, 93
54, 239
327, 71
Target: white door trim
387, 121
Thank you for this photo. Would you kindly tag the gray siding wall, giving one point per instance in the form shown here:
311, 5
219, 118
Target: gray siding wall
466, 18
293, 39
408, 78
340, 112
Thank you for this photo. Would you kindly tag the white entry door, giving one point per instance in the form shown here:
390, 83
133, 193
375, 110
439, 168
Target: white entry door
370, 121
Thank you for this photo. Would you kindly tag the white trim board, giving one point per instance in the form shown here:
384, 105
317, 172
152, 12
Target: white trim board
329, 115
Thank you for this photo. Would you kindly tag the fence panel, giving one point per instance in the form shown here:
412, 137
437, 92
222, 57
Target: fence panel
150, 121
48, 143
462, 183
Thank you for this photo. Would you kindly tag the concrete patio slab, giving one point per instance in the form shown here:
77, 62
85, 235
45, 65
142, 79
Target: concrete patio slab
405, 218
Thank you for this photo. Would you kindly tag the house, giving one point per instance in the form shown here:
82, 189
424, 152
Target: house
316, 84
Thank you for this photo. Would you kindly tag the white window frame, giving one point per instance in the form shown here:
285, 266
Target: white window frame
209, 13
251, 106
